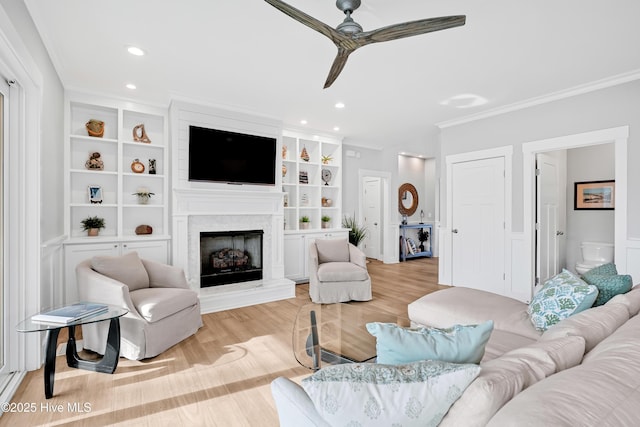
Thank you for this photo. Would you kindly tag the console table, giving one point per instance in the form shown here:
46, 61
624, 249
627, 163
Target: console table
414, 228
107, 364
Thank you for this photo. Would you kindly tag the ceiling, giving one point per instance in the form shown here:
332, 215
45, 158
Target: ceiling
245, 55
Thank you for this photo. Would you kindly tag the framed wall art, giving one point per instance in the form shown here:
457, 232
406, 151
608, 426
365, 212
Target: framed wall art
594, 195
95, 194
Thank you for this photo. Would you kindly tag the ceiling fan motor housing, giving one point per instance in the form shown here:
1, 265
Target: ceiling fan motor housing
347, 5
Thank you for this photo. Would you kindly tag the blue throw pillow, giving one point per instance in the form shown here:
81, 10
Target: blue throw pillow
457, 344
561, 296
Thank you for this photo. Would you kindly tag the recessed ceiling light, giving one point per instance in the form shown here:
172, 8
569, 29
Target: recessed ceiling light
339, 105
336, 128
465, 100
130, 86
135, 51
303, 122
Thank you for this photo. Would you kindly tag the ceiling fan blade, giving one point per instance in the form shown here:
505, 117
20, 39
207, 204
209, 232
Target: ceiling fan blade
307, 20
408, 29
337, 66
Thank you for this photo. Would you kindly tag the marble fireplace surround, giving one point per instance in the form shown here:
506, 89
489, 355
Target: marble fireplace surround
205, 210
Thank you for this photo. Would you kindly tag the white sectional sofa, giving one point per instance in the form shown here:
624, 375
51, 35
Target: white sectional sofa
583, 371
597, 384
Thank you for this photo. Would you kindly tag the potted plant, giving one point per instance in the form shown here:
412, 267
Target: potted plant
92, 225
326, 221
143, 195
326, 159
304, 222
356, 232
423, 236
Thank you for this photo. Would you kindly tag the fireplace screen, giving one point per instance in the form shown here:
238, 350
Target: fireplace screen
230, 257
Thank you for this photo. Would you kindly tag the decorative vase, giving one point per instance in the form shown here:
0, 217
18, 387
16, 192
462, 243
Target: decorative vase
284, 152
93, 232
140, 135
95, 128
304, 226
326, 224
284, 171
143, 199
304, 155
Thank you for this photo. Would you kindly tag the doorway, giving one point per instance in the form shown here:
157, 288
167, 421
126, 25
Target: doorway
619, 137
5, 367
478, 218
374, 208
372, 215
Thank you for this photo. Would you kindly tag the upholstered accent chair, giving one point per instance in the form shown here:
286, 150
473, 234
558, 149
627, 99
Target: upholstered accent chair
163, 310
337, 272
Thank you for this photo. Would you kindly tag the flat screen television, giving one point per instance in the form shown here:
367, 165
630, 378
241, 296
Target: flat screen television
229, 157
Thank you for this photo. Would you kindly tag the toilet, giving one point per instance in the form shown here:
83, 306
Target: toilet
594, 254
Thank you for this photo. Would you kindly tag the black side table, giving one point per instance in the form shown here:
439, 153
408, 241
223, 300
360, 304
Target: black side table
107, 364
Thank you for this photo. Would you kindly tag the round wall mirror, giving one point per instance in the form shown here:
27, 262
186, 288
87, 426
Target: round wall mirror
407, 199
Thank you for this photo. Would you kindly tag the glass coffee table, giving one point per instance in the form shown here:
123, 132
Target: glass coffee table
332, 334
107, 364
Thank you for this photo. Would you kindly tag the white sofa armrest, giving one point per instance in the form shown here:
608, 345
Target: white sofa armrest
295, 408
164, 275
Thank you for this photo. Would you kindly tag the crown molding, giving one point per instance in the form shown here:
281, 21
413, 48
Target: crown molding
554, 96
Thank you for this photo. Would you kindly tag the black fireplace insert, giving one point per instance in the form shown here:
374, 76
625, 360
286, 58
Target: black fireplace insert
230, 257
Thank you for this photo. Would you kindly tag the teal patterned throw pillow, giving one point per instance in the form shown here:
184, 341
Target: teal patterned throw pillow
606, 269
608, 282
371, 394
561, 296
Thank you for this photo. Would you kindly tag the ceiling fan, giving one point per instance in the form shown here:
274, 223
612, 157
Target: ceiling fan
349, 36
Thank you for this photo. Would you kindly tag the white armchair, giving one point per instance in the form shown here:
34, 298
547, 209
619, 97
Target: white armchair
163, 310
337, 272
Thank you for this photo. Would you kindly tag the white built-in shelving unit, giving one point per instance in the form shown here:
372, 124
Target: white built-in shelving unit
117, 181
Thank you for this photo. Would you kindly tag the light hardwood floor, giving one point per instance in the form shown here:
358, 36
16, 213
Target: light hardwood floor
219, 377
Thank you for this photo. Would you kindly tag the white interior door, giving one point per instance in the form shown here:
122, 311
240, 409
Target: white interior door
372, 216
549, 217
478, 224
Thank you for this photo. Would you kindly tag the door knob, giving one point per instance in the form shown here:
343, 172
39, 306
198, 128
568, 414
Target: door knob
375, 223
559, 233
454, 231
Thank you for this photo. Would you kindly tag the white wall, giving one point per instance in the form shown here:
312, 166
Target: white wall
52, 129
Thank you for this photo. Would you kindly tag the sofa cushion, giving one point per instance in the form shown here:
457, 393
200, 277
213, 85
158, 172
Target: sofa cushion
415, 394
127, 269
502, 342
604, 390
503, 378
332, 250
157, 303
457, 344
609, 286
341, 272
561, 296
593, 325
631, 300
460, 305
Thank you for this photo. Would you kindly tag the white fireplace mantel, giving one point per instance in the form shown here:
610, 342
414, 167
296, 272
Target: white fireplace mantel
201, 207
237, 201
